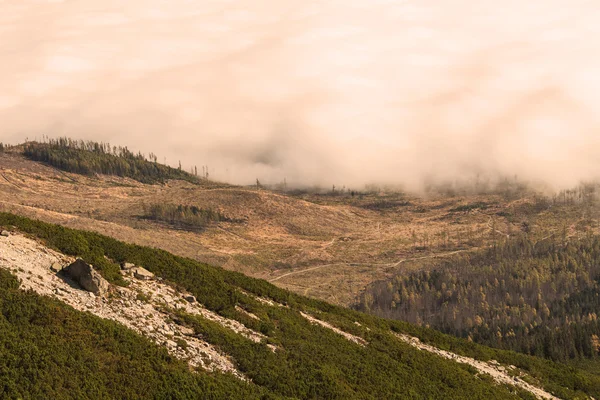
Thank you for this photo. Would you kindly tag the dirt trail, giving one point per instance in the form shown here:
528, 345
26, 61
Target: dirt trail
493, 369
439, 255
329, 244
9, 181
304, 270
387, 265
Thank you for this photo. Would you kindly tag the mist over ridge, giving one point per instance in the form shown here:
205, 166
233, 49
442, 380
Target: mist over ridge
327, 92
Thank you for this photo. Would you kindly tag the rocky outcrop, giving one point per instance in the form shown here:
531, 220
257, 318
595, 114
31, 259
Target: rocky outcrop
85, 275
129, 269
127, 266
152, 315
492, 368
142, 274
356, 339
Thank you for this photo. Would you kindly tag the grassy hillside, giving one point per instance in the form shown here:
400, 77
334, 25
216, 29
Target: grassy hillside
312, 362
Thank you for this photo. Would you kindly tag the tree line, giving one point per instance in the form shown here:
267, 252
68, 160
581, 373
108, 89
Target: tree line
183, 216
90, 158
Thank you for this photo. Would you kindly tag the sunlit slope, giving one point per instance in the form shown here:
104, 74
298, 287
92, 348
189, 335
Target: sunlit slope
325, 244
320, 350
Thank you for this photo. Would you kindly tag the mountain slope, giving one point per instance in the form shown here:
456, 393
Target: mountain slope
49, 350
298, 357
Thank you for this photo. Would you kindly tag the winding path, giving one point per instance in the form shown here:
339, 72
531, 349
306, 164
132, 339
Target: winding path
377, 265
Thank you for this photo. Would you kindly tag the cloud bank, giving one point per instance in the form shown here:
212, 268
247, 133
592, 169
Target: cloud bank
317, 92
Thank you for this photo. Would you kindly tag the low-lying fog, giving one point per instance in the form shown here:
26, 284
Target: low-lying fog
317, 92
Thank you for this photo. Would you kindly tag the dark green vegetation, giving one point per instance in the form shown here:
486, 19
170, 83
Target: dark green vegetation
89, 158
540, 298
50, 351
183, 216
311, 361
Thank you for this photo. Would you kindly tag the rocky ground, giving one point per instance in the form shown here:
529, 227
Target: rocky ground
492, 368
358, 340
146, 306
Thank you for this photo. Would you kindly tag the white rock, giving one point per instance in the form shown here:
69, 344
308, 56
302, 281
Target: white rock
127, 266
142, 274
55, 267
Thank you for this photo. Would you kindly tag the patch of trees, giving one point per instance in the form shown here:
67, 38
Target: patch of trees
183, 216
90, 158
311, 362
469, 207
381, 205
539, 298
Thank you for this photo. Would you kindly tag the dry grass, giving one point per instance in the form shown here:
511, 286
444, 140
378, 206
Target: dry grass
343, 242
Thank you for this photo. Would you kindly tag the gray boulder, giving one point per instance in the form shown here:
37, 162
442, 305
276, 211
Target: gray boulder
142, 274
90, 280
5, 233
190, 298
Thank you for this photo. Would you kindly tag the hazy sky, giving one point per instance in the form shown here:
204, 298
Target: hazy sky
326, 91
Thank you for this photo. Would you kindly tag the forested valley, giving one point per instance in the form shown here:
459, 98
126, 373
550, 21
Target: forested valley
536, 297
